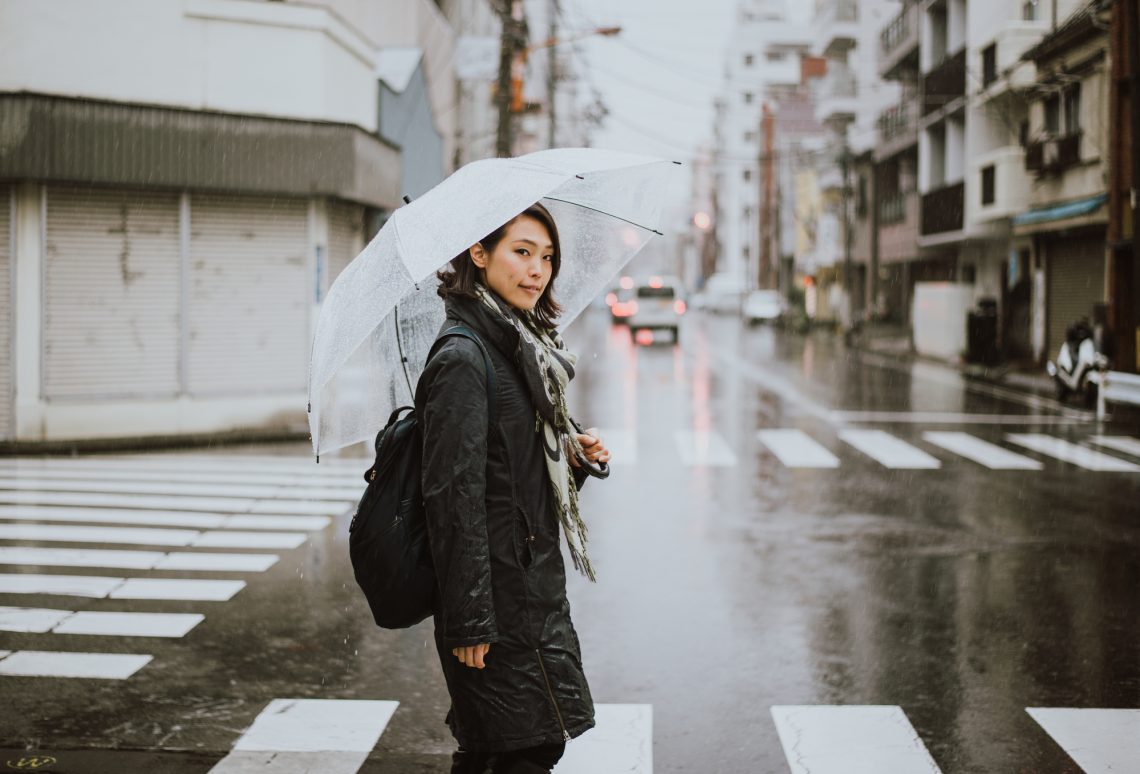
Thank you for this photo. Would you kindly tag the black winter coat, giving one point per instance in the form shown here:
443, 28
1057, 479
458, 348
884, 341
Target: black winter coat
494, 536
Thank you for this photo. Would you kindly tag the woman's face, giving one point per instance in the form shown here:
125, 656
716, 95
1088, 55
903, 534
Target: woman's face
520, 266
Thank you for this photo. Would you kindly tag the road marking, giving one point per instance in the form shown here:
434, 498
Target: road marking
704, 449
208, 504
333, 736
102, 666
796, 449
992, 456
1121, 443
1101, 741
67, 533
56, 470
851, 740
302, 470
621, 741
889, 451
23, 484
41, 621
135, 560
951, 418
1072, 453
100, 586
622, 445
164, 518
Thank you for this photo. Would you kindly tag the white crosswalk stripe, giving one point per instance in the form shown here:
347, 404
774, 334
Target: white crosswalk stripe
796, 449
333, 736
69, 533
203, 489
1066, 451
186, 503
135, 560
162, 518
827, 739
1120, 443
1101, 741
621, 741
992, 456
101, 666
69, 471
888, 450
101, 586
704, 449
43, 620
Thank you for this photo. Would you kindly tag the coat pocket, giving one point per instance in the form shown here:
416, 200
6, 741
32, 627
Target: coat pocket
523, 538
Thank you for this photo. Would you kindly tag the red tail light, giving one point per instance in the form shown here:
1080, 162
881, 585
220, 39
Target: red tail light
611, 299
679, 305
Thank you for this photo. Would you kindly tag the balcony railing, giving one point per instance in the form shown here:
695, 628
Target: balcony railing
945, 83
895, 121
1053, 154
829, 11
899, 39
943, 209
892, 208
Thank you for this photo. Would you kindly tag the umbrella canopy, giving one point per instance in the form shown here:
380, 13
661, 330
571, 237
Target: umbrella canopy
382, 313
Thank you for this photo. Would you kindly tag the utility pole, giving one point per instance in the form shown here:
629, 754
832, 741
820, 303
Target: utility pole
511, 19
552, 72
848, 268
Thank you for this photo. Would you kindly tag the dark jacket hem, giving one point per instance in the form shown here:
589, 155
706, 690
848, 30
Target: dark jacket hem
508, 745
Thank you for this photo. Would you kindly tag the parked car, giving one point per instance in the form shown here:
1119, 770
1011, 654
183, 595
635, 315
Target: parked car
657, 305
764, 306
722, 293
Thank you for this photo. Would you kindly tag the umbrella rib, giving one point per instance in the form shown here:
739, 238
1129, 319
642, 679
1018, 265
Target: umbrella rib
603, 212
400, 346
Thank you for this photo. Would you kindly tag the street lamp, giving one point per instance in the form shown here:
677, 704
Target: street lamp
518, 66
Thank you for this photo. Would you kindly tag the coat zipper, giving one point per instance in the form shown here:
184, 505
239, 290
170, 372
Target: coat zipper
550, 691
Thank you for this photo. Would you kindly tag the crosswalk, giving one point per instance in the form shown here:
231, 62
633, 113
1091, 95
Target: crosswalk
796, 448
191, 514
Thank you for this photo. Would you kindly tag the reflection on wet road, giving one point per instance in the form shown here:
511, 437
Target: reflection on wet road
808, 560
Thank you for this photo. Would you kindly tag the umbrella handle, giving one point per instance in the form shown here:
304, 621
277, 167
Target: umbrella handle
597, 470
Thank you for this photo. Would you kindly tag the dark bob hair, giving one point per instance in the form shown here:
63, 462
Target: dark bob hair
460, 279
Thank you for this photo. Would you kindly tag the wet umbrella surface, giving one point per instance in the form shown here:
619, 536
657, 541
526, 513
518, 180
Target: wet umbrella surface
808, 560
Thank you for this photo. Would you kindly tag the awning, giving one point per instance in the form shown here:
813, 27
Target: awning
1061, 211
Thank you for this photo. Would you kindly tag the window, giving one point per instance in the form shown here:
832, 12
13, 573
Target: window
748, 98
989, 64
750, 136
746, 252
988, 185
774, 56
969, 273
748, 60
1023, 134
861, 196
1073, 110
1053, 114
747, 175
1029, 10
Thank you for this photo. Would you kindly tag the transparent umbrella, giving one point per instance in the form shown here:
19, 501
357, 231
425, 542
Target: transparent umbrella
382, 313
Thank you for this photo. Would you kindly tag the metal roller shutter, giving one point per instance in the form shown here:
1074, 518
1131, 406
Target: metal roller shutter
248, 294
1075, 282
7, 304
346, 236
111, 294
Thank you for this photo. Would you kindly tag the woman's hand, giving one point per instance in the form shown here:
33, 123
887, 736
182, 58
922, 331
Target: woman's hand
472, 655
593, 447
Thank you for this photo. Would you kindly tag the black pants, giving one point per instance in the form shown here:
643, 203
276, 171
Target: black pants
531, 760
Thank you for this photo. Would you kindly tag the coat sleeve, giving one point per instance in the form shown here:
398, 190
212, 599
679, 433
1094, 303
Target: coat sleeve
454, 425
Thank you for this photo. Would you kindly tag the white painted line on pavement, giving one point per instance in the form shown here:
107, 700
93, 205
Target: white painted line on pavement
796, 449
851, 740
41, 621
1121, 443
22, 484
889, 451
93, 586
103, 666
621, 741
67, 533
333, 736
164, 518
303, 507
991, 455
207, 504
1070, 452
219, 463
704, 449
622, 444
134, 560
952, 418
180, 475
1101, 741
100, 586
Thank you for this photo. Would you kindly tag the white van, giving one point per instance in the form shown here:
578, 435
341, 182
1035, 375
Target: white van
657, 304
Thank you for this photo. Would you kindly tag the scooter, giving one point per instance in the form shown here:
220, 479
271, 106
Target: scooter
1076, 361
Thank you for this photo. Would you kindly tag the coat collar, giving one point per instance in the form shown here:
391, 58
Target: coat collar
475, 315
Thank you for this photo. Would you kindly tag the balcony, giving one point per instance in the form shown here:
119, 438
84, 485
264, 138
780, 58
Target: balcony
1052, 155
1008, 72
898, 130
943, 209
945, 83
898, 43
898, 226
1003, 186
836, 96
836, 25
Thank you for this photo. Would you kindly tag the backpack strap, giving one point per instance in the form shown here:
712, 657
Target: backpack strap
467, 333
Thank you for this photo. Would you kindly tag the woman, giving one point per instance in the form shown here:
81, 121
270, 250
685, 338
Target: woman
495, 498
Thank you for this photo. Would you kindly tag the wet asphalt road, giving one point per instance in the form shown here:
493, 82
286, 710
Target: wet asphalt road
728, 582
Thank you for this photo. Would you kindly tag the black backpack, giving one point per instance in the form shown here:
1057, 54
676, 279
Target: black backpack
387, 539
